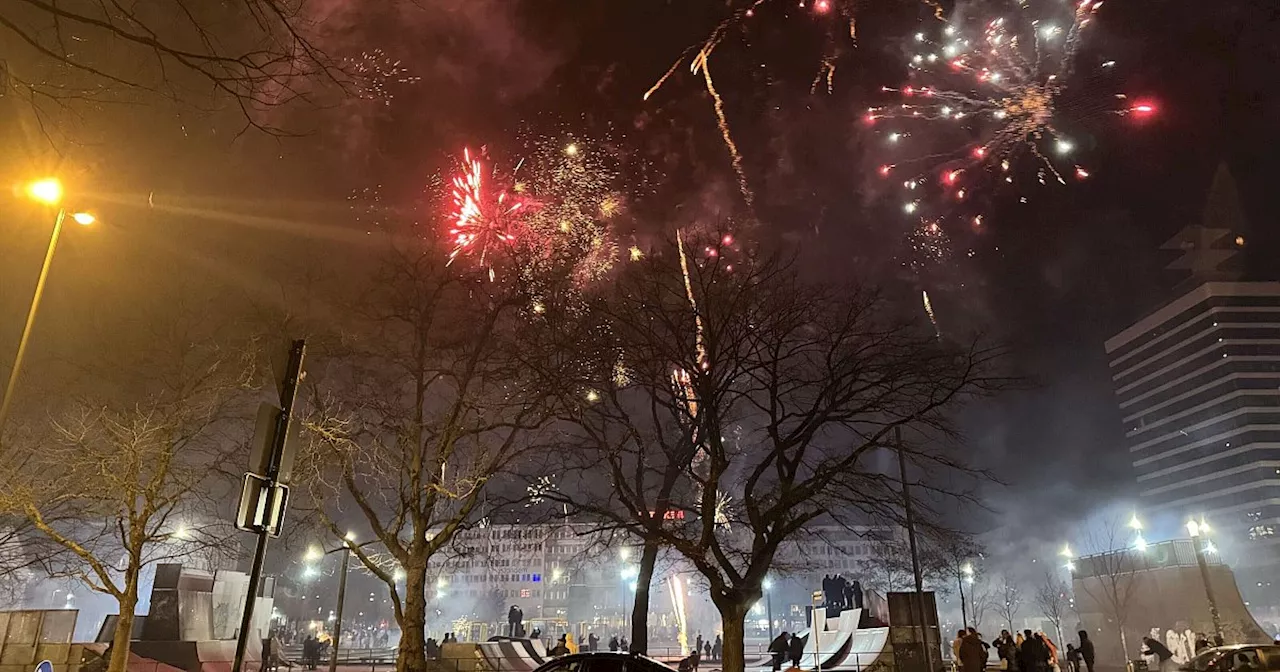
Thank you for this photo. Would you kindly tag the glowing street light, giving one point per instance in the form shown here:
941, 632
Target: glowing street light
314, 553
1135, 523
49, 192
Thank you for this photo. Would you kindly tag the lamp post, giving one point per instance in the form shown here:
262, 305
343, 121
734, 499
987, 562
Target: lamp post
629, 573
48, 192
966, 574
768, 605
1195, 529
316, 554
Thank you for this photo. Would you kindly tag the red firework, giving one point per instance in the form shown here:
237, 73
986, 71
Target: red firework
484, 217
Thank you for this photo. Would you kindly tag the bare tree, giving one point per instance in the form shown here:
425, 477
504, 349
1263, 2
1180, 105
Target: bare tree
1110, 576
981, 598
74, 56
433, 392
1053, 600
1008, 600
888, 567
954, 555
118, 485
769, 397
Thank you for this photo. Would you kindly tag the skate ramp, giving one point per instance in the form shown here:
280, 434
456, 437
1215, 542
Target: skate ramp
513, 655
1165, 596
842, 646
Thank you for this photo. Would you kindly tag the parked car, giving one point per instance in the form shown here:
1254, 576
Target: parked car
1236, 658
603, 661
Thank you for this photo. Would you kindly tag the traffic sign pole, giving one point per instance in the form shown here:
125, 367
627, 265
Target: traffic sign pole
279, 443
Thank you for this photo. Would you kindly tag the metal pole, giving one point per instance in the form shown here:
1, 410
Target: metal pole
918, 602
31, 318
1208, 590
288, 392
768, 606
814, 628
337, 625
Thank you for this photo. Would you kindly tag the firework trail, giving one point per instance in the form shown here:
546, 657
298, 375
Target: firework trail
677, 603
700, 64
1003, 84
928, 309
693, 302
735, 156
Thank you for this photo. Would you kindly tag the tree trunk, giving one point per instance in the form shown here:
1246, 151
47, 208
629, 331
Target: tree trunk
412, 654
124, 629
640, 610
732, 618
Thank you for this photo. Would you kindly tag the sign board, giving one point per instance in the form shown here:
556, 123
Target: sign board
818, 596
44, 666
262, 505
264, 437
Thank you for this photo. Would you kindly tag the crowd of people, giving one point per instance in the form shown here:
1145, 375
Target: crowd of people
1026, 651
841, 593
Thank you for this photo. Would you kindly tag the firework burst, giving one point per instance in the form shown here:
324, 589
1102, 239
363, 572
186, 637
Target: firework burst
373, 75
985, 107
485, 216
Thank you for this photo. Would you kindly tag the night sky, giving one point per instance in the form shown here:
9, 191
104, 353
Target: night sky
1053, 277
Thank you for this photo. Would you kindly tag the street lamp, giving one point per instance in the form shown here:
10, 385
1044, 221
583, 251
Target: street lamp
768, 604
1195, 530
347, 543
49, 192
629, 574
966, 574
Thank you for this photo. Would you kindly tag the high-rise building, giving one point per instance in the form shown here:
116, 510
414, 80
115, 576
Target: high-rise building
1198, 384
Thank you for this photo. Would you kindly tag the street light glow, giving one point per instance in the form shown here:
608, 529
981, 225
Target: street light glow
351, 536
1140, 543
314, 553
47, 191
1193, 528
767, 584
1066, 552
967, 569
83, 218
1135, 523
